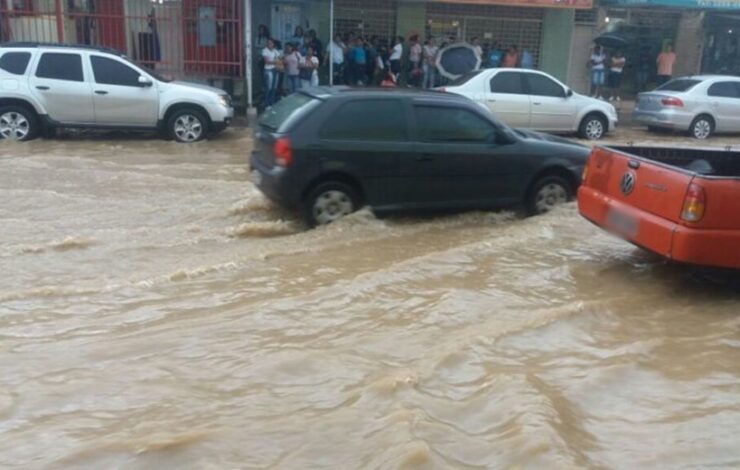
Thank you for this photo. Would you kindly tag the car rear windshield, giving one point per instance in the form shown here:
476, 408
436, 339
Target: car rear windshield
680, 84
276, 116
463, 79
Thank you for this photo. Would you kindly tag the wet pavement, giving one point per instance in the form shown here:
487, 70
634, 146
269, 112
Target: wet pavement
157, 312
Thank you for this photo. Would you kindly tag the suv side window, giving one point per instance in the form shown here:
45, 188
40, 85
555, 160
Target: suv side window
382, 120
60, 66
725, 90
111, 72
442, 124
15, 62
543, 86
509, 83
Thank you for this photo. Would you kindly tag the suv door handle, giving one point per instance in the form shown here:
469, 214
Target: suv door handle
101, 92
536, 103
42, 87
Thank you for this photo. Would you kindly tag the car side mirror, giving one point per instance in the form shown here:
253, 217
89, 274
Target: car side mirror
504, 137
145, 81
568, 92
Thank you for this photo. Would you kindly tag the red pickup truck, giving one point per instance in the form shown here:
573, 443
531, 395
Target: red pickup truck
681, 203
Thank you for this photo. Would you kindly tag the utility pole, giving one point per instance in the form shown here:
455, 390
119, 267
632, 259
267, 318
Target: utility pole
251, 111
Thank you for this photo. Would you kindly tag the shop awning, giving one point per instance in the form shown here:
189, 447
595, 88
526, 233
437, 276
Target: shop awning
572, 4
692, 4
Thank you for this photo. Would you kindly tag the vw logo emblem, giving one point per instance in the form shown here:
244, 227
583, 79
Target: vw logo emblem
627, 185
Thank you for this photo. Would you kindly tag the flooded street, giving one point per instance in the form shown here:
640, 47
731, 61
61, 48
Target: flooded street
157, 312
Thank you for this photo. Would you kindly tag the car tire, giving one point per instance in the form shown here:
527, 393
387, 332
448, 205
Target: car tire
702, 127
330, 201
593, 127
547, 193
18, 123
188, 125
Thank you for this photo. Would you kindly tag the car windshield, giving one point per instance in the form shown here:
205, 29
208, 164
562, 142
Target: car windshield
679, 84
284, 109
463, 79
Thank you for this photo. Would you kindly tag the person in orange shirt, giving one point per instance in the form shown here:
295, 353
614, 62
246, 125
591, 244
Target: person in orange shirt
665, 62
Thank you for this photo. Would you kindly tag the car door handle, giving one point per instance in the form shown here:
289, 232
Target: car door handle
101, 92
424, 158
536, 103
42, 87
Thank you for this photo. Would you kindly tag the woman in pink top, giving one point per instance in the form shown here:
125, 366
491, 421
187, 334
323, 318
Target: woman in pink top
665, 62
511, 58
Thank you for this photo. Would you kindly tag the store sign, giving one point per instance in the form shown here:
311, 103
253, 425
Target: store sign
575, 4
695, 4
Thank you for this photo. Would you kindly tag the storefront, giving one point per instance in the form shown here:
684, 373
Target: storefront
722, 43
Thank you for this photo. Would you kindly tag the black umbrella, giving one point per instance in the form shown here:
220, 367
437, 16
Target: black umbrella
611, 40
458, 59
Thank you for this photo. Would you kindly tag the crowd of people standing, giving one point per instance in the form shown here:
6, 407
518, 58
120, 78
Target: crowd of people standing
364, 60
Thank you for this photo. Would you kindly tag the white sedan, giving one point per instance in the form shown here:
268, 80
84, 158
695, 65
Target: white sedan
535, 100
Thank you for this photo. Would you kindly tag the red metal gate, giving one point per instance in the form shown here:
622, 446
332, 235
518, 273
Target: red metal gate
194, 38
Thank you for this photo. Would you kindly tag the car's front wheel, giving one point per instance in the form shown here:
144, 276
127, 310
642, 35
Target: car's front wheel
330, 201
187, 126
593, 127
18, 123
702, 127
547, 193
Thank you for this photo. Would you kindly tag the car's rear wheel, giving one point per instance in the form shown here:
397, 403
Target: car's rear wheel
18, 123
593, 127
702, 127
188, 125
329, 202
547, 193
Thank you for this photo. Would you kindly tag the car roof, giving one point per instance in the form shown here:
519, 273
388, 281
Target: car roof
45, 45
710, 77
334, 92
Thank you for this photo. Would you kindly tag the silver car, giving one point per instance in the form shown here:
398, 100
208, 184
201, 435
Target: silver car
43, 87
701, 105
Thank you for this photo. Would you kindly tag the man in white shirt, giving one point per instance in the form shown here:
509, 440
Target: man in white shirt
430, 63
395, 58
270, 57
335, 52
598, 72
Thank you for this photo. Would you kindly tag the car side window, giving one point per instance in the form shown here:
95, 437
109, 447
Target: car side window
508, 82
111, 72
15, 62
442, 124
380, 120
541, 85
60, 66
724, 90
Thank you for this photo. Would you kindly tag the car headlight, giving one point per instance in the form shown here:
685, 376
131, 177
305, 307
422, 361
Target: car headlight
225, 100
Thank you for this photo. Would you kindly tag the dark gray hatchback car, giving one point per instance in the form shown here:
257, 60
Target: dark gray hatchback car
329, 151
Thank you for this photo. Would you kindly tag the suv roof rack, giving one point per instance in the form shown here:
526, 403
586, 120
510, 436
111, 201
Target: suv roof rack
30, 44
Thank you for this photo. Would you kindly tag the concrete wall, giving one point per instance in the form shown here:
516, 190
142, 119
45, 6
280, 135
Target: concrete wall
689, 44
411, 18
557, 35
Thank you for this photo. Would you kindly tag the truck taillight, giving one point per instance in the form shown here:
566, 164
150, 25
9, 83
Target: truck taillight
672, 101
694, 204
283, 152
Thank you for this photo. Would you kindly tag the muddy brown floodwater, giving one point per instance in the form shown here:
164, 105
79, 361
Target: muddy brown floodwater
157, 312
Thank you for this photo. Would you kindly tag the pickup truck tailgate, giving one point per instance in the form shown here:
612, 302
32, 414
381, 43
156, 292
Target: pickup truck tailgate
647, 186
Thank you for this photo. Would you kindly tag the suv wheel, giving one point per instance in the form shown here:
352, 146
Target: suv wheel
330, 201
17, 123
548, 193
593, 127
187, 126
702, 127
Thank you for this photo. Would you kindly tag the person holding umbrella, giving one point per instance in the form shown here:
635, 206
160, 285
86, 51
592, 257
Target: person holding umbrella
598, 73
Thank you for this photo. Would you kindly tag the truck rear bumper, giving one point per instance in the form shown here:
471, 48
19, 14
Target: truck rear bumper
720, 248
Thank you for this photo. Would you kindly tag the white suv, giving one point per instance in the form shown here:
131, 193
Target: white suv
46, 86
